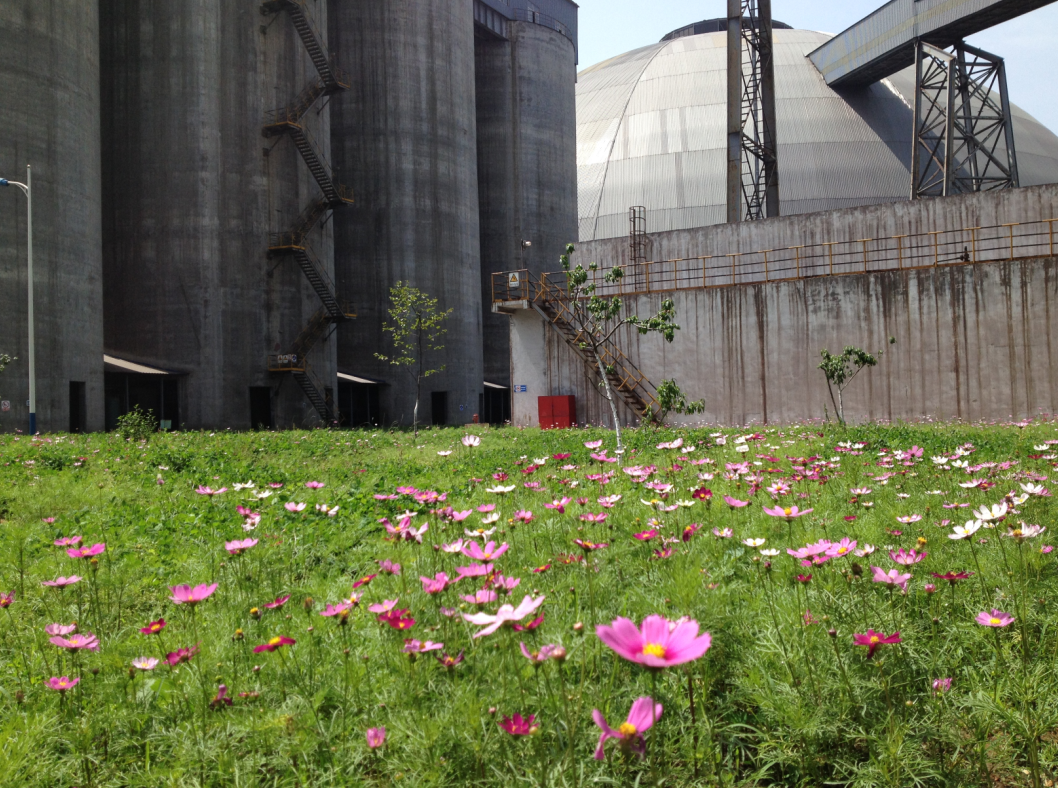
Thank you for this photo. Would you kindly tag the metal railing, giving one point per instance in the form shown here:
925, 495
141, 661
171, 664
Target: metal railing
937, 249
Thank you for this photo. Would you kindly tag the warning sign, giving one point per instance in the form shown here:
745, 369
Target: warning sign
514, 280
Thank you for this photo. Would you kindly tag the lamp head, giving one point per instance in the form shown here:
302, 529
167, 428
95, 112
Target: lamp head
3, 182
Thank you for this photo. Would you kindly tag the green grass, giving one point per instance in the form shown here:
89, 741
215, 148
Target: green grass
776, 701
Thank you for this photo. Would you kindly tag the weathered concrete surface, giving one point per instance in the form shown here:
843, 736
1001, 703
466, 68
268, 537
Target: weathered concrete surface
49, 69
405, 139
191, 191
527, 163
973, 342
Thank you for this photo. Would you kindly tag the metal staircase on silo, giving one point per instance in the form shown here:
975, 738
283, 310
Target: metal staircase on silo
288, 121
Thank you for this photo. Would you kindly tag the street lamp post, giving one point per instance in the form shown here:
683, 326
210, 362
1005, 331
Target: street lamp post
27, 189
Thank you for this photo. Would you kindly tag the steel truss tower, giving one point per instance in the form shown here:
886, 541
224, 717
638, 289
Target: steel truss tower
752, 158
964, 135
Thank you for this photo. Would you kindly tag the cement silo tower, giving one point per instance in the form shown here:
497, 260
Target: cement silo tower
49, 69
216, 186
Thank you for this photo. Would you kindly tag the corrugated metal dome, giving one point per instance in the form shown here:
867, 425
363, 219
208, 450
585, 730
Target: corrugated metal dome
652, 127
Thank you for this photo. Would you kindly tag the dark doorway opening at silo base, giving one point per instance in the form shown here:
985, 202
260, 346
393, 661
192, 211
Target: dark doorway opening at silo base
261, 408
78, 407
127, 384
358, 402
439, 408
495, 404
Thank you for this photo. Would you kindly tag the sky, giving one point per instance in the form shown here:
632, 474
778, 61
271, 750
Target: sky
1029, 44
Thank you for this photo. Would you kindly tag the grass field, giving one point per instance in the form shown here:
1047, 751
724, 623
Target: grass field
846, 663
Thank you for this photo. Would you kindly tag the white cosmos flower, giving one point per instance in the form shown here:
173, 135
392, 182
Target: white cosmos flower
539, 462
769, 553
753, 542
960, 464
246, 486
263, 494
500, 489
867, 550
685, 504
742, 449
1041, 447
965, 531
471, 440
997, 511
1018, 500
940, 460
443, 453
490, 519
1032, 489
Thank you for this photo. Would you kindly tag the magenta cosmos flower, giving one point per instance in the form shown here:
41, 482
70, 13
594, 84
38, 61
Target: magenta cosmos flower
436, 584
154, 627
906, 557
941, 686
86, 552
874, 639
787, 512
62, 684
278, 603
486, 553
192, 596
892, 577
997, 618
274, 643
68, 541
376, 737
735, 503
86, 641
61, 582
239, 545
314, 485
507, 614
519, 726
642, 716
7, 599
659, 643
181, 655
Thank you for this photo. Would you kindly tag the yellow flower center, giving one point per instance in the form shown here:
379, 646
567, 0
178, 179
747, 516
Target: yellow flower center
994, 621
275, 641
488, 555
627, 729
787, 510
875, 639
654, 650
842, 550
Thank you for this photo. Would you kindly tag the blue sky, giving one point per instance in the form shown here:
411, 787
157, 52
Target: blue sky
1029, 44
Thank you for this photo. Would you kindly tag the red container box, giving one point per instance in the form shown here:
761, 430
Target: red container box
557, 412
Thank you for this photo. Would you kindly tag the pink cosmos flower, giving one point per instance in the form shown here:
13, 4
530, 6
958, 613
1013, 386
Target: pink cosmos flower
60, 582
145, 663
735, 503
412, 646
810, 551
485, 508
646, 536
488, 553
337, 610
181, 655
658, 643
315, 485
530, 626
388, 567
874, 639
60, 629
461, 516
641, 717
997, 618
62, 684
203, 490
50, 520
397, 619
725, 533
221, 699
906, 558
538, 657
594, 518
941, 685
383, 607
239, 546
436, 584
519, 726
279, 602
507, 584
665, 552
68, 541
523, 516
77, 642
86, 552
474, 570
448, 661
483, 597
892, 577
274, 643
191, 596
363, 581
671, 446
290, 506
376, 737
786, 512
842, 548
507, 614
593, 444
275, 485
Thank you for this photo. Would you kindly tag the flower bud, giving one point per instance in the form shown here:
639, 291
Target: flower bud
239, 635
492, 710
832, 632
94, 671
255, 613
559, 654
857, 570
578, 627
307, 604
20, 696
311, 629
256, 668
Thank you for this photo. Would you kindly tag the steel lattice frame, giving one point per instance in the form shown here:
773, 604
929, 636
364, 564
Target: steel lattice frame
753, 173
964, 135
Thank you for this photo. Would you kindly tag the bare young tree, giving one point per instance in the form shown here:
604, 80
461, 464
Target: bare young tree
598, 320
417, 327
842, 368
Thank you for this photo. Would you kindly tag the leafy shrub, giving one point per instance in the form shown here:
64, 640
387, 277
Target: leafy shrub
137, 424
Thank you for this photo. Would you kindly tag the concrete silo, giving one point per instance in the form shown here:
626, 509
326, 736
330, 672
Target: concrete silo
527, 160
212, 110
405, 139
49, 68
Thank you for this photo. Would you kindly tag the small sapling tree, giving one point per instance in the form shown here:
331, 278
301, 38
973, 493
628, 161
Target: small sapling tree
842, 368
598, 319
417, 327
671, 399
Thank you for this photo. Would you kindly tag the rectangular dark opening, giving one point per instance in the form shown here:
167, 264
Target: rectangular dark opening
123, 391
261, 408
358, 404
496, 406
78, 407
439, 408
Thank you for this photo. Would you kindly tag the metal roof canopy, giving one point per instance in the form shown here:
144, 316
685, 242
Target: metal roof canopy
363, 381
884, 42
114, 364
